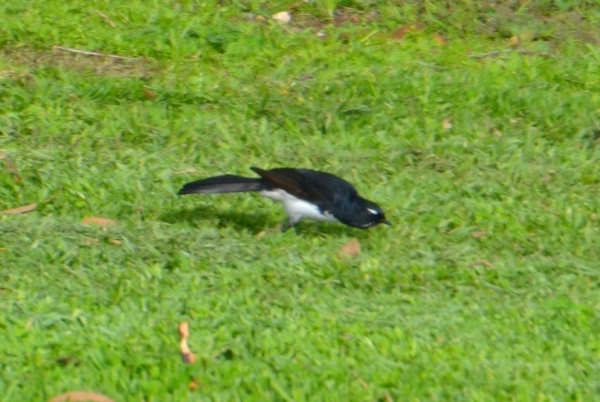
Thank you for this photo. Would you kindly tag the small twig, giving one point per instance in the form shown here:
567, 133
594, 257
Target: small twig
86, 53
497, 52
106, 18
362, 382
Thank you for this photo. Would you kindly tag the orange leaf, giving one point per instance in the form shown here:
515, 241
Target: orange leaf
80, 396
399, 33
186, 354
19, 210
94, 220
439, 38
193, 384
352, 248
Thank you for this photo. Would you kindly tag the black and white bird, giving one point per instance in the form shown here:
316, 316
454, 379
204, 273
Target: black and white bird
304, 193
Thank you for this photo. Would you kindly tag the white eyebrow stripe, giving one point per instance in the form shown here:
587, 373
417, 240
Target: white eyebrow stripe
372, 211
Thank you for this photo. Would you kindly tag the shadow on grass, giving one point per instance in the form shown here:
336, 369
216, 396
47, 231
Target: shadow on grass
256, 222
252, 222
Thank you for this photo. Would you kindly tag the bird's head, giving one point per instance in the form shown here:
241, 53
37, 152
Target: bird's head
366, 215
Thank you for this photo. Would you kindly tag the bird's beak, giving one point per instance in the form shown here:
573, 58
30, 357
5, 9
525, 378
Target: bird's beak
386, 222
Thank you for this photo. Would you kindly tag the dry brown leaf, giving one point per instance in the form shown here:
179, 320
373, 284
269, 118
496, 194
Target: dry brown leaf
80, 396
400, 32
115, 242
149, 93
94, 220
514, 40
478, 233
446, 124
186, 354
352, 248
439, 38
19, 210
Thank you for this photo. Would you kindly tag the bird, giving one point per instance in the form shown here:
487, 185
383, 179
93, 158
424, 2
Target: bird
304, 193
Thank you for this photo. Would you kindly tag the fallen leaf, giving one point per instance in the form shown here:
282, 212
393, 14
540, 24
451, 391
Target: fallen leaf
400, 32
352, 248
439, 38
149, 93
193, 384
80, 396
186, 354
115, 242
514, 40
283, 17
19, 210
94, 220
478, 233
496, 132
482, 262
446, 124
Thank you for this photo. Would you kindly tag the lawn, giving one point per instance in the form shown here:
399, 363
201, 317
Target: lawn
486, 287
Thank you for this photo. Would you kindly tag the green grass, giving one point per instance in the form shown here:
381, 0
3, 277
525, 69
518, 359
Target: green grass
485, 288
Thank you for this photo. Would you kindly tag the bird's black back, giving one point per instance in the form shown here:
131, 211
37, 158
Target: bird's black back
314, 186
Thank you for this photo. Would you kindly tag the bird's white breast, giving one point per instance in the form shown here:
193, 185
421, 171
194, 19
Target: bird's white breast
296, 208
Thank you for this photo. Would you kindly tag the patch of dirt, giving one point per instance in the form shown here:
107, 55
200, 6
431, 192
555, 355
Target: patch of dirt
502, 19
24, 58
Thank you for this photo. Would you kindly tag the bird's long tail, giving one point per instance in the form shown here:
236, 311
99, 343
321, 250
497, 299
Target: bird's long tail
224, 184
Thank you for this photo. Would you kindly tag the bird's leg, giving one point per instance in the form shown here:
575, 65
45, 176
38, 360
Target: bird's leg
288, 224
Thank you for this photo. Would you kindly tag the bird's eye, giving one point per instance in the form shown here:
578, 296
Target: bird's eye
372, 211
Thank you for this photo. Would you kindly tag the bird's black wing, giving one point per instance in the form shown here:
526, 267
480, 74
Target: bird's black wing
317, 187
